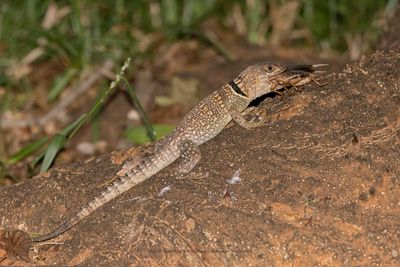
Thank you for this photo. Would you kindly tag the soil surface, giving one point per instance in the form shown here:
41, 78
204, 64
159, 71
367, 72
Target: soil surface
318, 185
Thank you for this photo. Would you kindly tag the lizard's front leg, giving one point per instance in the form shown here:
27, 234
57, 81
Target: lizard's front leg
239, 119
190, 155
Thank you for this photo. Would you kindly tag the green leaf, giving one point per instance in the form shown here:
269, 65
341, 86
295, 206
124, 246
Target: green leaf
27, 150
139, 135
61, 82
55, 145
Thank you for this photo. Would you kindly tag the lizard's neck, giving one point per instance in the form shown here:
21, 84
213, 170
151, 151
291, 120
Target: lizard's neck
235, 94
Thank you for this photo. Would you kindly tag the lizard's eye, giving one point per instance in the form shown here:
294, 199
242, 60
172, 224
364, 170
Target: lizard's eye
270, 68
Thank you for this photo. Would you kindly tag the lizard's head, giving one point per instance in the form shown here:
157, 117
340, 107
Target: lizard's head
263, 78
256, 79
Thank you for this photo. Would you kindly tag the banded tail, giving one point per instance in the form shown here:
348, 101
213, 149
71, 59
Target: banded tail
149, 167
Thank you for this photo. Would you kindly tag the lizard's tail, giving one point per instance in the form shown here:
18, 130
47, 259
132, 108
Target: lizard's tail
61, 229
117, 187
122, 184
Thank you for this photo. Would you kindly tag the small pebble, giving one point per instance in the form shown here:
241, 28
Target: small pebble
86, 148
133, 115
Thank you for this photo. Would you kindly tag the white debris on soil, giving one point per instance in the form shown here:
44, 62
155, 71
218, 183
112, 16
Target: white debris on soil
139, 199
133, 115
235, 178
86, 148
164, 190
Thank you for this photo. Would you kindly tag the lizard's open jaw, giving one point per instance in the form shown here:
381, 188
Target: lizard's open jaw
306, 68
297, 75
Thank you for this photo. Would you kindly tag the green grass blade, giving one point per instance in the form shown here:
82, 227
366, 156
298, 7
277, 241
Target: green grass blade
37, 159
100, 102
55, 145
27, 150
66, 134
61, 82
254, 18
147, 124
70, 128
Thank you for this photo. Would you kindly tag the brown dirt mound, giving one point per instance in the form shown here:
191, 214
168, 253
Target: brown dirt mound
319, 186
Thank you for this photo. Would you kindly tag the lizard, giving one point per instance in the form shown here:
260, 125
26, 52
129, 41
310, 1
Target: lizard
207, 119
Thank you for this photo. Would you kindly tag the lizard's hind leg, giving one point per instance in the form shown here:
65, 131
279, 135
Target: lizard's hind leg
190, 155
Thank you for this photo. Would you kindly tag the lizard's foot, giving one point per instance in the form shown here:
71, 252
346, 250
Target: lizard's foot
248, 124
190, 155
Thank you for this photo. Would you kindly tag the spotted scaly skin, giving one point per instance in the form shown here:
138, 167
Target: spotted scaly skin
202, 123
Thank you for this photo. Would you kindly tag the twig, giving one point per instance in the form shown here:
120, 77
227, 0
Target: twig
58, 109
3, 258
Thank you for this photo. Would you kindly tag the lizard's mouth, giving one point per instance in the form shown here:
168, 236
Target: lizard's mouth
304, 69
294, 75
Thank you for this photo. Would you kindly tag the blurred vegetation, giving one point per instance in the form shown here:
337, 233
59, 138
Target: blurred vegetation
78, 34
